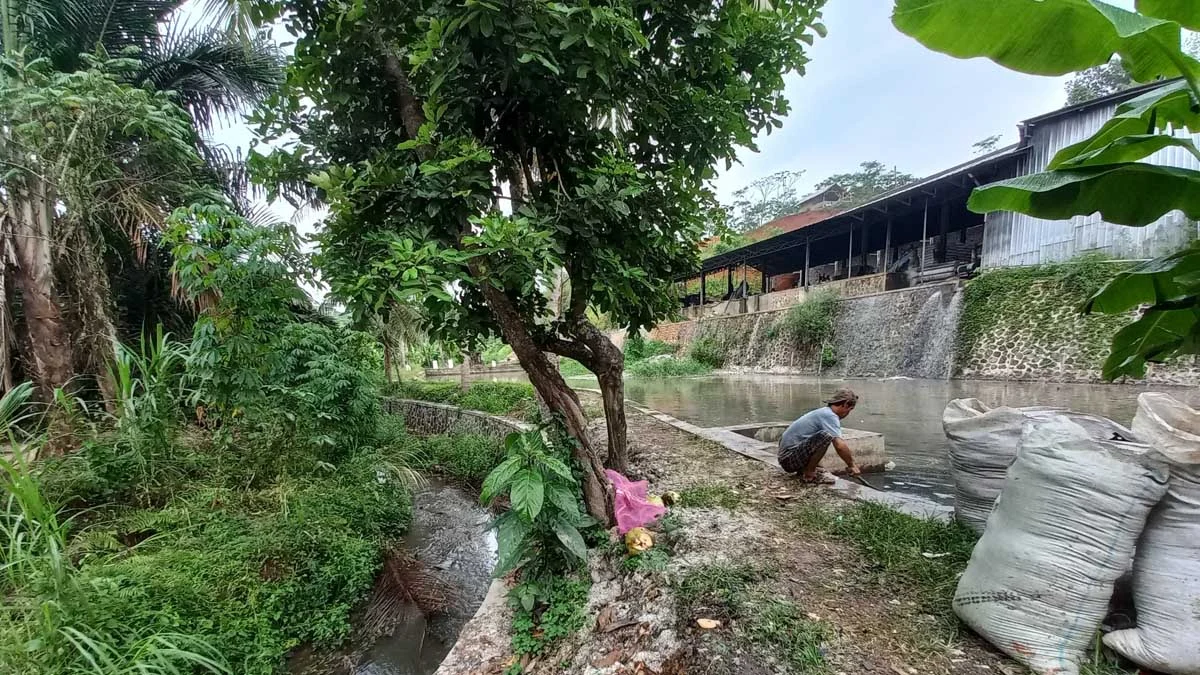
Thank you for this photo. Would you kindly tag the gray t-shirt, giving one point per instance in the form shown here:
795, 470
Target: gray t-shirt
820, 421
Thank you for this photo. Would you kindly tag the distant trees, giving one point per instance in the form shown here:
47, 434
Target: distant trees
987, 145
1102, 80
872, 178
765, 200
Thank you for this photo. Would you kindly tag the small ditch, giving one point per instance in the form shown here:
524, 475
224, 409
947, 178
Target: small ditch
444, 567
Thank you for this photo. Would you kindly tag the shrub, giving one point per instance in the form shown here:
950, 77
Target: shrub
638, 348
709, 496
709, 351
668, 367
514, 399
809, 323
467, 457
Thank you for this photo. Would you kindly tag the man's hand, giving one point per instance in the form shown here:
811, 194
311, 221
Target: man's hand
854, 470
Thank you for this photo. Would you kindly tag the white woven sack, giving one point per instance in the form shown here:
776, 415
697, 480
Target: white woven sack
1062, 532
983, 443
1166, 569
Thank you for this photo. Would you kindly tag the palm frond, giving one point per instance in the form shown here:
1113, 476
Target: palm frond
61, 30
237, 17
212, 73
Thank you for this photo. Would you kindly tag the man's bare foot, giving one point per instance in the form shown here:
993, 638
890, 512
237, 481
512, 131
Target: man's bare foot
818, 477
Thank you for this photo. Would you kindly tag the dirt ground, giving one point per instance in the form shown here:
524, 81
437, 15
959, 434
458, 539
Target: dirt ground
638, 625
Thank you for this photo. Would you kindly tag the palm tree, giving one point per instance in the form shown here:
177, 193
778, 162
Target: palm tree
213, 69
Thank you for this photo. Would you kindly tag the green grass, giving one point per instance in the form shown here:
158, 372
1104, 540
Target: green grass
718, 590
780, 626
572, 368
467, 457
511, 399
651, 560
710, 495
668, 367
728, 592
894, 544
560, 610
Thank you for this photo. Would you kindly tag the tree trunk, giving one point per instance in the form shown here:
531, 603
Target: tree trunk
561, 399
608, 363
31, 217
387, 361
90, 304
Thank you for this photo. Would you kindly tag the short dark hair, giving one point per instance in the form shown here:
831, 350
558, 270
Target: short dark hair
843, 396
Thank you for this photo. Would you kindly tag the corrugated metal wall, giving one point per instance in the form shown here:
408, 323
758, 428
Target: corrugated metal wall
1015, 239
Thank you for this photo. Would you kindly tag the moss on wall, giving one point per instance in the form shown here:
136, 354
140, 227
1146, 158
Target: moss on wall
1025, 322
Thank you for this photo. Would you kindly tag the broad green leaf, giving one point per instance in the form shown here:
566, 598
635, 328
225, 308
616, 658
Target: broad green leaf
528, 493
570, 538
1186, 13
558, 468
1126, 194
498, 479
1129, 149
1155, 282
1168, 107
1045, 37
1156, 337
563, 499
512, 534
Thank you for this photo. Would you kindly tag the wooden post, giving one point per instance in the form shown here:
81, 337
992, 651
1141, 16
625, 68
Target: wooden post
807, 250
887, 246
701, 289
763, 274
850, 255
943, 232
728, 283
864, 247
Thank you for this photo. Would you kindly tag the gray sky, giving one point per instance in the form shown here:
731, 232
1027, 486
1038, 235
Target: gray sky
872, 93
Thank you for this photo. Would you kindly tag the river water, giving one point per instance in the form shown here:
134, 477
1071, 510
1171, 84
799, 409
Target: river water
908, 412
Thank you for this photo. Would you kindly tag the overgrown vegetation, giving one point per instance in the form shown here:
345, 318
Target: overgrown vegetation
466, 457
511, 399
638, 348
924, 555
162, 543
1006, 299
810, 323
710, 495
540, 538
709, 350
668, 366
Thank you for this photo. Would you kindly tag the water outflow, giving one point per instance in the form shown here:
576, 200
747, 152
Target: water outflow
937, 362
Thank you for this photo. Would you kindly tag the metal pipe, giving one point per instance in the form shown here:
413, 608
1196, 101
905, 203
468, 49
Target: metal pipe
807, 250
850, 255
887, 246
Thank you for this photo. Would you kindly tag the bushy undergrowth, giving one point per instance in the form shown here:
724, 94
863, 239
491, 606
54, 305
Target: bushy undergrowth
667, 367
708, 350
236, 505
810, 323
638, 348
511, 399
467, 457
572, 368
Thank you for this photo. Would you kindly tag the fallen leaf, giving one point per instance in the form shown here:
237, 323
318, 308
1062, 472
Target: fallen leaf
934, 556
708, 624
609, 659
605, 618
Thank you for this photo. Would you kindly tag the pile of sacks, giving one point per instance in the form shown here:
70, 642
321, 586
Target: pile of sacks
1066, 503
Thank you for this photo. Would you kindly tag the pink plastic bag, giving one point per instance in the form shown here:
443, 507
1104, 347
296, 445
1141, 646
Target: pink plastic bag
629, 502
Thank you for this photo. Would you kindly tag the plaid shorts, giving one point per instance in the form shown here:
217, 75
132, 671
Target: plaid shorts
794, 458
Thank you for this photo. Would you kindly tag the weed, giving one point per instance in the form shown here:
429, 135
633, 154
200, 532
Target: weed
467, 457
547, 611
779, 625
651, 560
512, 399
924, 555
668, 367
708, 350
638, 348
717, 589
710, 495
810, 323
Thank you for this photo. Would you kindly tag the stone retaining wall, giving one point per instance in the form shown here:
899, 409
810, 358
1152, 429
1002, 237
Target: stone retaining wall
430, 419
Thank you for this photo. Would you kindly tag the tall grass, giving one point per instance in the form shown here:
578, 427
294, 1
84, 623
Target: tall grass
668, 367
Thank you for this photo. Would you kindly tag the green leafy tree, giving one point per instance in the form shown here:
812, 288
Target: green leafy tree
599, 125
871, 179
1105, 173
1102, 80
101, 185
765, 200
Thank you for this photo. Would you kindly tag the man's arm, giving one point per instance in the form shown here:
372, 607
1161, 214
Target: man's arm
843, 451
